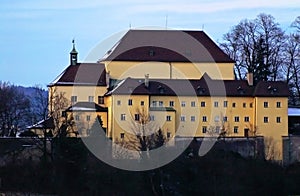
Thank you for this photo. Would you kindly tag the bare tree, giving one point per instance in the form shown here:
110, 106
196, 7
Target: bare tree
256, 46
291, 67
273, 42
57, 105
144, 135
68, 127
271, 151
14, 109
40, 103
296, 24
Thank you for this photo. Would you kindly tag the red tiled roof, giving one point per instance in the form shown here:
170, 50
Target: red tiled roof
202, 87
167, 46
82, 74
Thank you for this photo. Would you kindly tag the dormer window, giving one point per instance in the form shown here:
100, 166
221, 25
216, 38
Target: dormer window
151, 53
272, 90
240, 90
161, 89
200, 90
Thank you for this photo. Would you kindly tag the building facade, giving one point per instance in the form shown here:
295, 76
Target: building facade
180, 82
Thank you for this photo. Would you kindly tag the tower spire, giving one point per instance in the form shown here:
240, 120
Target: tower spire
73, 54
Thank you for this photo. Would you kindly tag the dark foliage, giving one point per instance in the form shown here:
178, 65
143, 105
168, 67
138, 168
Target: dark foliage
74, 171
28, 134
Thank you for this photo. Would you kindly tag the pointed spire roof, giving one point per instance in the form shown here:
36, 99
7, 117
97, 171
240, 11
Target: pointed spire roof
74, 49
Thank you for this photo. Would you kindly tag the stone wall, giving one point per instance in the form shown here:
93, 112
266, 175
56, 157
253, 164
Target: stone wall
291, 149
18, 150
252, 147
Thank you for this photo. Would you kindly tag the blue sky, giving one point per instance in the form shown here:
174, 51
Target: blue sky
35, 36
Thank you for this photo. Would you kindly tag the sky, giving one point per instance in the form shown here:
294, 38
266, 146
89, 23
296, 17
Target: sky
36, 36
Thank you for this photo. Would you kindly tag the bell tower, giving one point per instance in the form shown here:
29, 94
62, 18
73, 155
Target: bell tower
73, 54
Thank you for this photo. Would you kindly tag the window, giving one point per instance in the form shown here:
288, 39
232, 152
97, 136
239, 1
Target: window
216, 104
152, 118
123, 117
168, 134
225, 119
183, 104
266, 104
235, 129
278, 119
154, 103
246, 119
168, 118
91, 99
100, 99
171, 103
193, 118
151, 53
193, 104
266, 119
217, 118
161, 103
218, 129
278, 104
244, 105
233, 105
225, 104
182, 118
77, 118
142, 103
236, 119
73, 99
251, 105
204, 118
161, 90
204, 129
136, 117
119, 102
202, 103
88, 118
122, 135
129, 101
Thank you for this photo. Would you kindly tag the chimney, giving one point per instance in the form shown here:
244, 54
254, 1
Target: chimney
250, 79
146, 80
107, 77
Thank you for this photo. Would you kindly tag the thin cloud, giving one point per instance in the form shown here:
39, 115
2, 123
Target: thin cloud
212, 6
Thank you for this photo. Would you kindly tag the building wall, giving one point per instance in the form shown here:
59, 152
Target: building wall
174, 70
81, 92
85, 120
271, 129
160, 122
188, 120
120, 106
110, 108
190, 114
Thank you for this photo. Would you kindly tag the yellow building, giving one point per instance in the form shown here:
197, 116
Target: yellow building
178, 81
167, 54
77, 94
